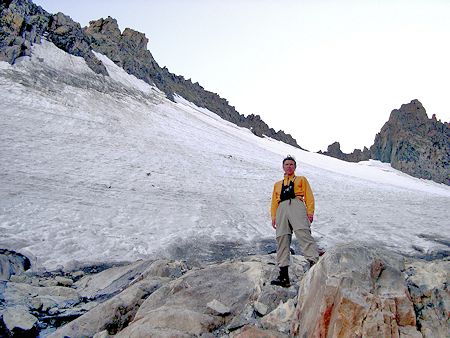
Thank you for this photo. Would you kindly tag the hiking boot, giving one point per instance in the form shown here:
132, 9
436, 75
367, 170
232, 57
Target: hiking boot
283, 279
283, 282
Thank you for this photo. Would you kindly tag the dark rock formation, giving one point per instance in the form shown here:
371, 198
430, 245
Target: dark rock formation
415, 144
334, 150
410, 142
68, 35
12, 263
22, 23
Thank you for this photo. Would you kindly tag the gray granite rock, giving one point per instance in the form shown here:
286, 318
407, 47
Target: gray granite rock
12, 264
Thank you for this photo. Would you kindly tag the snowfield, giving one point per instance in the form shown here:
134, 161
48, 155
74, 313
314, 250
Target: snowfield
106, 169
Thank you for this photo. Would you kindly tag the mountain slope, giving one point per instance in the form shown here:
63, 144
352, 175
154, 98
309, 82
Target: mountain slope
105, 168
22, 24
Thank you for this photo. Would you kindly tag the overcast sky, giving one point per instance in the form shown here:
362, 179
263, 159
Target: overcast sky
321, 70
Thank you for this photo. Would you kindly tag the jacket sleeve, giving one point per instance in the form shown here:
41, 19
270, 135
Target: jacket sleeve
274, 204
309, 197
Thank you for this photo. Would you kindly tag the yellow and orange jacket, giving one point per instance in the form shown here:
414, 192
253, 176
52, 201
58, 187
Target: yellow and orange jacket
302, 191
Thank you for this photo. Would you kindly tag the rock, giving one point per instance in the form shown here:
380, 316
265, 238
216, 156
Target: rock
44, 298
109, 282
354, 290
334, 150
280, 318
243, 318
22, 24
260, 308
61, 281
182, 305
218, 307
102, 334
255, 332
178, 318
114, 314
12, 263
19, 322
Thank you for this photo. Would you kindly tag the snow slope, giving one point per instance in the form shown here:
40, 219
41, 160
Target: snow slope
105, 169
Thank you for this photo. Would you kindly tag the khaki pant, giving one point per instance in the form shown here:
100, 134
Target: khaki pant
291, 217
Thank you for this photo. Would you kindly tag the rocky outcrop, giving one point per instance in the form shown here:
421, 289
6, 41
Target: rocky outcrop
415, 144
12, 263
410, 142
334, 150
22, 24
352, 291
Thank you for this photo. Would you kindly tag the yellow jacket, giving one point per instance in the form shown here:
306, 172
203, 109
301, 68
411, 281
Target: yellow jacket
302, 190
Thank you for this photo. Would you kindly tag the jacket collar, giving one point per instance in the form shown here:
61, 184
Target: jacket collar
288, 178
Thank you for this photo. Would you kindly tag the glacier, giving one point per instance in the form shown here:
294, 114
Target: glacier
99, 169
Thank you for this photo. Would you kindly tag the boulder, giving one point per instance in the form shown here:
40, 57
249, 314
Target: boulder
280, 318
114, 314
12, 263
110, 282
354, 291
250, 331
18, 322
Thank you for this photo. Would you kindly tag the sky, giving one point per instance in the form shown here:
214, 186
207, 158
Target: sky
105, 170
323, 71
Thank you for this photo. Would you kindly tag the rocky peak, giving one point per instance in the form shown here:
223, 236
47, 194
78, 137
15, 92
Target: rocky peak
107, 27
414, 144
410, 142
411, 116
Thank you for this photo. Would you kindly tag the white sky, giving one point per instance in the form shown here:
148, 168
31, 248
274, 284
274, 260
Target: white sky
322, 71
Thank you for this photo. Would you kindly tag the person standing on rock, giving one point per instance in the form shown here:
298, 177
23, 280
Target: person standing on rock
292, 210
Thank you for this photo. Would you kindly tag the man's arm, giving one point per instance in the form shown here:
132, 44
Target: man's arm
274, 206
309, 199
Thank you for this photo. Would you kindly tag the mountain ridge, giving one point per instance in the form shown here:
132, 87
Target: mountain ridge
24, 23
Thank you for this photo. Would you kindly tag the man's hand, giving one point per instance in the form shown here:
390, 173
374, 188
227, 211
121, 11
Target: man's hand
274, 223
311, 218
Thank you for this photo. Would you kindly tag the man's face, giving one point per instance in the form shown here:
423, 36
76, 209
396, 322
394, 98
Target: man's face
289, 167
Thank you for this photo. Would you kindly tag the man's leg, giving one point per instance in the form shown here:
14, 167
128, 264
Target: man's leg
308, 245
283, 250
283, 258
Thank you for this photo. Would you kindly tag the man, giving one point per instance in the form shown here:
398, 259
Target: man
292, 210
